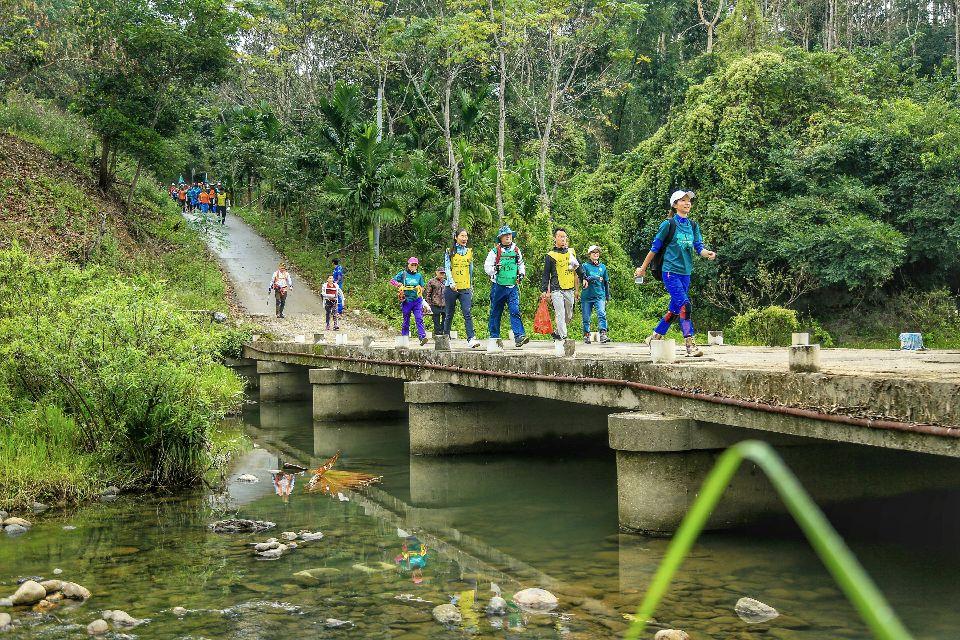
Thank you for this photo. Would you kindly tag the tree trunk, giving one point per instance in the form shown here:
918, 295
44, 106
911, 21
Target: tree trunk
454, 166
545, 143
104, 179
375, 248
956, 36
502, 103
133, 184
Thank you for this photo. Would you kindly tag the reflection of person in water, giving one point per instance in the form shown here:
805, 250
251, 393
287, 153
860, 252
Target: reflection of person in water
413, 558
283, 484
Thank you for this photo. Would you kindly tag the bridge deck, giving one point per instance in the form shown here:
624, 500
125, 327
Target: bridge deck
909, 387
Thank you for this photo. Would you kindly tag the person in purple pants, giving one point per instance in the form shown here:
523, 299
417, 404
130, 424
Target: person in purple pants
410, 286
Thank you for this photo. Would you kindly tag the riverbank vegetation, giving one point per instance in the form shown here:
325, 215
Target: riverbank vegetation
820, 139
110, 367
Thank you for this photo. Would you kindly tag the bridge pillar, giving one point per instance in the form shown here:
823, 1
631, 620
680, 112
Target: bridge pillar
282, 381
246, 368
338, 395
662, 462
447, 418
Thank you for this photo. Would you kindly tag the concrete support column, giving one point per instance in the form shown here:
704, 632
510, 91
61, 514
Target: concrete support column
338, 395
662, 462
280, 381
447, 418
246, 368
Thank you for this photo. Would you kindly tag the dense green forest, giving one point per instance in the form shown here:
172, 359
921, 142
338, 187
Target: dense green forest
822, 136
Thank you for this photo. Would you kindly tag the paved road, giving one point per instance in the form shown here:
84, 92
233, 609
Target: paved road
250, 260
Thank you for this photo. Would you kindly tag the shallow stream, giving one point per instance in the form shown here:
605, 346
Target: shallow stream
514, 520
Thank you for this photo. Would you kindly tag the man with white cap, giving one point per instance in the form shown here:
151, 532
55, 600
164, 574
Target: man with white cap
673, 248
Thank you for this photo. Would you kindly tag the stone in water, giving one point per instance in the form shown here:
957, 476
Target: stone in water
753, 611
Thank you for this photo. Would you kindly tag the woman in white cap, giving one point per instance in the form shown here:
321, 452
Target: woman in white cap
596, 293
674, 245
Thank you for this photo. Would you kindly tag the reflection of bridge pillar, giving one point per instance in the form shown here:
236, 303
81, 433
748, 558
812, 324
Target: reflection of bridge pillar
662, 462
447, 418
338, 395
282, 381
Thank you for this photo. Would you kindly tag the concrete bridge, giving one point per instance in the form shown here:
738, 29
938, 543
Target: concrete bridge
870, 423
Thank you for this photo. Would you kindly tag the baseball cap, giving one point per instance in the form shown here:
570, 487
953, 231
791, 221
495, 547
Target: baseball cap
592, 248
413, 260
676, 195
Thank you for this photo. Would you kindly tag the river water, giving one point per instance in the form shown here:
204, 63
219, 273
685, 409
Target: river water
514, 520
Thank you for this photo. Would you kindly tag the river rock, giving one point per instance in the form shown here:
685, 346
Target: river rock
15, 520
447, 614
753, 611
3, 515
671, 634
109, 491
14, 529
240, 525
6, 602
263, 546
497, 606
57, 572
179, 611
5, 621
52, 586
248, 477
333, 623
30, 592
307, 536
44, 605
69, 527
98, 627
74, 591
274, 553
310, 577
288, 535
535, 599
54, 597
39, 507
121, 619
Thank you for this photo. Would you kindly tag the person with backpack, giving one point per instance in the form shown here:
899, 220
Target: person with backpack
434, 294
671, 254
506, 269
559, 283
596, 294
458, 264
332, 296
280, 284
410, 284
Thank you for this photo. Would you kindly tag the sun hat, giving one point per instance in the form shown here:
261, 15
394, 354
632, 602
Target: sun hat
504, 230
592, 248
413, 260
677, 195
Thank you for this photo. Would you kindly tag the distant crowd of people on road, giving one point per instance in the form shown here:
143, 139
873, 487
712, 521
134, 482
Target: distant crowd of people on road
565, 282
203, 198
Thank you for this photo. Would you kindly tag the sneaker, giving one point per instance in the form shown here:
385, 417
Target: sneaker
473, 343
423, 341
586, 338
522, 340
328, 327
336, 328
556, 336
653, 336
604, 339
693, 351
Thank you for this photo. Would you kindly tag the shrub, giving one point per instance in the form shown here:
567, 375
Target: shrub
770, 326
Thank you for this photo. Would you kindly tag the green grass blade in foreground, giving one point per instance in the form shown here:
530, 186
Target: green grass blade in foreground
838, 559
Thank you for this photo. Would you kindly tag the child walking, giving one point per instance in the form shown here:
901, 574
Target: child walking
331, 295
410, 286
434, 296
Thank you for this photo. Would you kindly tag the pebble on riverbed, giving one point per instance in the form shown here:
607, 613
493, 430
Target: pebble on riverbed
5, 621
447, 614
240, 525
671, 634
122, 619
535, 600
179, 611
753, 611
14, 526
98, 627
248, 477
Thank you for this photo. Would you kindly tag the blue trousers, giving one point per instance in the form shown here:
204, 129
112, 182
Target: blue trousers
678, 286
587, 307
509, 296
465, 297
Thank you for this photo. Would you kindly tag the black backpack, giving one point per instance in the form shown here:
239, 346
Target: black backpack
656, 265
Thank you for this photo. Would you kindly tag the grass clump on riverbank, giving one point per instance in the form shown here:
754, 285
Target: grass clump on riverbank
108, 382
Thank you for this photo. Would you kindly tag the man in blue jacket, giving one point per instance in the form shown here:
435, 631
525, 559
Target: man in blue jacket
678, 238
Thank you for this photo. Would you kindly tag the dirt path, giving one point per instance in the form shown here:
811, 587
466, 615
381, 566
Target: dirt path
249, 260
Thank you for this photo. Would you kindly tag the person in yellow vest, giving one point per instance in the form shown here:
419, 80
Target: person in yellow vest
560, 282
458, 263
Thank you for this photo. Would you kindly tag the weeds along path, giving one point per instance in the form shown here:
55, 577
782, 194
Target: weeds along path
249, 260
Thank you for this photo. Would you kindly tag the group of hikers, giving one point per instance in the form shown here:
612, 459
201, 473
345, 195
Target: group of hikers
565, 280
281, 283
201, 197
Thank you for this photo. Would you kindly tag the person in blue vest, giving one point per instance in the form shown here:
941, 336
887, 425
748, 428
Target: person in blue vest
338, 275
596, 294
679, 238
410, 284
504, 265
